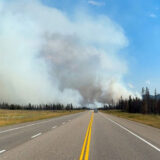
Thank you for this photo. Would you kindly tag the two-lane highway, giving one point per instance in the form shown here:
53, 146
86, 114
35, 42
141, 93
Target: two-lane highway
87, 135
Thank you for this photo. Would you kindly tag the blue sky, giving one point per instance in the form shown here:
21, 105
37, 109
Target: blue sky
140, 20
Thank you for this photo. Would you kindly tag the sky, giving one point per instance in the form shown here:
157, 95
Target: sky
140, 20
78, 51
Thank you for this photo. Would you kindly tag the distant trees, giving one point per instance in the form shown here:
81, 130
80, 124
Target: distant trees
149, 104
30, 106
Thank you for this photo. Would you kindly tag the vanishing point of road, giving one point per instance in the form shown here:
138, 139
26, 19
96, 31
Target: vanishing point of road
81, 136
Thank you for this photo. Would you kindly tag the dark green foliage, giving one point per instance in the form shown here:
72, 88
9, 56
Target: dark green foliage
39, 107
147, 105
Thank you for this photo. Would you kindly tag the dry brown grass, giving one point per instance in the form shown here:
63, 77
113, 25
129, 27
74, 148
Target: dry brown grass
149, 119
8, 117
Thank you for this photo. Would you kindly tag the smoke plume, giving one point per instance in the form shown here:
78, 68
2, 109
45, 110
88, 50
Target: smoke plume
47, 56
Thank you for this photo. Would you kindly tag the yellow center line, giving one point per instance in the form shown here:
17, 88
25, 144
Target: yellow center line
86, 144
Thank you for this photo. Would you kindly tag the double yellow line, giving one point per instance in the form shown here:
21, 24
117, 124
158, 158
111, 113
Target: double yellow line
85, 148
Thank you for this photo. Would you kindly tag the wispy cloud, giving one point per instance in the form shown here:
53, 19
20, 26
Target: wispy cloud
130, 85
157, 8
152, 15
148, 82
95, 3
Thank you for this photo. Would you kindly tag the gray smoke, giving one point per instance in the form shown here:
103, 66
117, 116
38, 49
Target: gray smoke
45, 56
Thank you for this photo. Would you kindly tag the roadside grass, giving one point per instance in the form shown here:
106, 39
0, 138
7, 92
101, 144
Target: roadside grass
9, 117
148, 119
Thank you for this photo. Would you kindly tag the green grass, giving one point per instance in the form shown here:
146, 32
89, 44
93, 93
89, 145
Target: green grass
9, 117
149, 119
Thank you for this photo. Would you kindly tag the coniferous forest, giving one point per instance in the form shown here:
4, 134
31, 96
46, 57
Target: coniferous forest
39, 107
148, 104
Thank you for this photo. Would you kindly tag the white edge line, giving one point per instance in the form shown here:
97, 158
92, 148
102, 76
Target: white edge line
36, 135
29, 125
2, 151
54, 127
153, 146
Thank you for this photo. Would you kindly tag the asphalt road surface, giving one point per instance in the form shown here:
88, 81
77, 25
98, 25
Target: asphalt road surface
87, 135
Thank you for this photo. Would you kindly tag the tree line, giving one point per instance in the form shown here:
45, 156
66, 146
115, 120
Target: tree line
148, 104
39, 107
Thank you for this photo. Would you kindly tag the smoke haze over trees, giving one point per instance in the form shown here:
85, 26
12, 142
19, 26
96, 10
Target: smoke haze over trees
147, 105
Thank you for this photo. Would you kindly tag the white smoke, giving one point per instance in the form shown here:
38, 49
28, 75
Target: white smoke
46, 57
